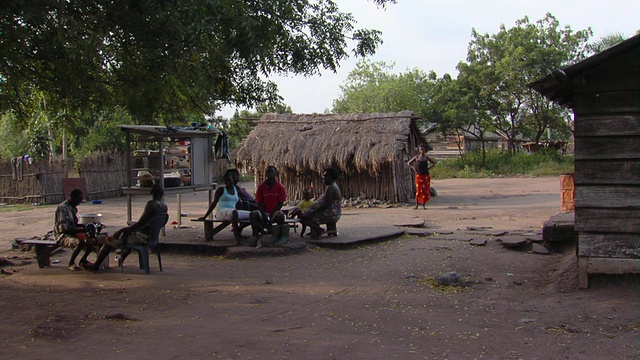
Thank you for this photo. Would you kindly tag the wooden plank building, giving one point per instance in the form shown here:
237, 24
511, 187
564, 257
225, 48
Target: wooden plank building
604, 95
369, 150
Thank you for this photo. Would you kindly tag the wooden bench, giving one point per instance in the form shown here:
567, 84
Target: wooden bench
210, 231
44, 248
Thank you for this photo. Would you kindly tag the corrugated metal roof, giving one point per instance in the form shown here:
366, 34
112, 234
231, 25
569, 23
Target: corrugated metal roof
170, 131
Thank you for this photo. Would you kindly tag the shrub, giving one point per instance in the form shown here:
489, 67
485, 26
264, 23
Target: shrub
539, 164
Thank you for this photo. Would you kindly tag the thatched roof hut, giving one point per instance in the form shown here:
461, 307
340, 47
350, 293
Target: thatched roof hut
370, 151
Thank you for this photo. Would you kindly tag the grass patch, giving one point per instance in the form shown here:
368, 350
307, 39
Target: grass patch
550, 163
15, 207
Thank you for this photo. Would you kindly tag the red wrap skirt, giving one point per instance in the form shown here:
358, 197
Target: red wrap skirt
423, 188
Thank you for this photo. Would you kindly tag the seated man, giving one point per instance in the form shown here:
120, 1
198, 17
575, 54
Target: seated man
327, 209
270, 197
130, 234
68, 232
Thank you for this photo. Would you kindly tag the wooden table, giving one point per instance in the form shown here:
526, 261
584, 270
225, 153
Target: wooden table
178, 190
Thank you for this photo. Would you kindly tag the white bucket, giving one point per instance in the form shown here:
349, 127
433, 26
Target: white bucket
90, 218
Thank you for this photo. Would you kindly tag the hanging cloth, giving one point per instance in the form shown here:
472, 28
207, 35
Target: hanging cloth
221, 146
16, 168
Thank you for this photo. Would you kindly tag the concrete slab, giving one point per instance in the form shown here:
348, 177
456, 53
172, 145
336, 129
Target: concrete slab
192, 241
354, 235
559, 228
414, 222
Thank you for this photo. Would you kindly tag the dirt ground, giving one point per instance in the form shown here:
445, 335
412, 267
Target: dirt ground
371, 301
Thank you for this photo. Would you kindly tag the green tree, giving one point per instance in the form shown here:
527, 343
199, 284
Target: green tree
371, 87
242, 122
500, 65
607, 41
457, 107
100, 132
162, 59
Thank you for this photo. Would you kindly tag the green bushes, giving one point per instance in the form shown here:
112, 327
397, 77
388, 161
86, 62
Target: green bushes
496, 164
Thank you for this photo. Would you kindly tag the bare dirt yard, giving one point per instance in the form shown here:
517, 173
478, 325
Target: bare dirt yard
374, 300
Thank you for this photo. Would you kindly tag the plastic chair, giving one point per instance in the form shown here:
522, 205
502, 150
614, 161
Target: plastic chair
155, 225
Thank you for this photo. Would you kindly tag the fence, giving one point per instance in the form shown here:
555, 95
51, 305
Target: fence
40, 181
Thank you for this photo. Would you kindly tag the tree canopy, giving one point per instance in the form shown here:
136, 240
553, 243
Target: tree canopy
161, 60
168, 56
371, 87
499, 66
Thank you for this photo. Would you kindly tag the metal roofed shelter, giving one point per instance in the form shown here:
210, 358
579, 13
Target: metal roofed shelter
158, 154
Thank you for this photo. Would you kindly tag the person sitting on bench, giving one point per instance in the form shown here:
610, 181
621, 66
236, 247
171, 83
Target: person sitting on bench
225, 199
68, 232
270, 196
130, 234
245, 200
327, 209
306, 202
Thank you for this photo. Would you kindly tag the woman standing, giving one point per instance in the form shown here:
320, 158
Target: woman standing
423, 179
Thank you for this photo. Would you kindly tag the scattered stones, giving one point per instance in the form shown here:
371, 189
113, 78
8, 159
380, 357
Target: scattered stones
513, 242
537, 240
418, 232
532, 234
498, 233
478, 242
478, 228
539, 249
447, 279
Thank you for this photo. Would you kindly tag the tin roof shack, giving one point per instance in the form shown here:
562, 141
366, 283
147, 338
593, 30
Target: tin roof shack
603, 93
370, 150
179, 158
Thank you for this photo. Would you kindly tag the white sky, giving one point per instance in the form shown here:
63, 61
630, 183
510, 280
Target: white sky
434, 34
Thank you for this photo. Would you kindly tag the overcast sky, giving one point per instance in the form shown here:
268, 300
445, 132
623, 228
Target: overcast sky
434, 34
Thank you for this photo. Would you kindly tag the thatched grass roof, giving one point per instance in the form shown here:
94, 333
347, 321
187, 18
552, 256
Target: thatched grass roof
316, 141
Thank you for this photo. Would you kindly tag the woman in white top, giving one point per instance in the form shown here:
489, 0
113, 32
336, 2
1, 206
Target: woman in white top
226, 199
